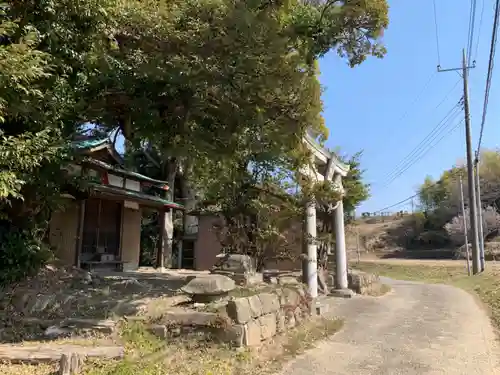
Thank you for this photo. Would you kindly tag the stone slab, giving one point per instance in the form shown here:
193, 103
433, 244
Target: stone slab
342, 293
34, 354
239, 310
269, 302
267, 326
255, 306
188, 318
252, 333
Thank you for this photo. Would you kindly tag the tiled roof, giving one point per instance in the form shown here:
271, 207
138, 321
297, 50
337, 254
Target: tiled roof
124, 172
137, 196
89, 143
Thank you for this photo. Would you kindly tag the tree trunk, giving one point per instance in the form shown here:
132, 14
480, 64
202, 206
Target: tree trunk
170, 171
189, 200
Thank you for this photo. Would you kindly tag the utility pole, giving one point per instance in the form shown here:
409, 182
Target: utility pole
412, 205
480, 217
470, 171
467, 253
470, 166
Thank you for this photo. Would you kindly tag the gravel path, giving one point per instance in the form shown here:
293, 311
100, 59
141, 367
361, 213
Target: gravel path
414, 329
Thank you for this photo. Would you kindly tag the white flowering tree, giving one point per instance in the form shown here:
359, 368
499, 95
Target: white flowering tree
455, 228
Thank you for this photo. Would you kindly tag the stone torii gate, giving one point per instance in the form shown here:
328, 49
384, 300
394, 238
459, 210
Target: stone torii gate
325, 166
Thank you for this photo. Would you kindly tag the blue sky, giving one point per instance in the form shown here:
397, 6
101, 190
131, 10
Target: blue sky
372, 107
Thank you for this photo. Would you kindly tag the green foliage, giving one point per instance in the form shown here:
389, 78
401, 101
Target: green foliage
44, 48
357, 191
21, 253
440, 200
21, 156
221, 90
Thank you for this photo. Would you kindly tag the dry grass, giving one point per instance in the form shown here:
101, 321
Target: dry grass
43, 369
485, 286
148, 355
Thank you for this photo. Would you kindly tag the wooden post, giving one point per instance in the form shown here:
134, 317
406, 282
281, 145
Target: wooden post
79, 238
69, 364
159, 252
98, 229
122, 217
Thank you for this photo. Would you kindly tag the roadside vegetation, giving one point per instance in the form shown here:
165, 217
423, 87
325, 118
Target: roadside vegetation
436, 227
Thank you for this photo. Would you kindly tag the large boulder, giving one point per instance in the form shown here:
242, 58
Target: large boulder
209, 288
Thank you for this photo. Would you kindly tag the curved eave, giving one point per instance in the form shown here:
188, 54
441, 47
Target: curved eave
124, 172
339, 167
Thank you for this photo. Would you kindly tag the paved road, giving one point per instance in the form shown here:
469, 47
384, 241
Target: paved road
415, 329
426, 262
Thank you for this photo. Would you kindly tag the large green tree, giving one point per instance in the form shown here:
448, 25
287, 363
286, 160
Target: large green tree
44, 46
186, 82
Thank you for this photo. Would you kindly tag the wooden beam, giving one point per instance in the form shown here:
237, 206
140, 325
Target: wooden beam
79, 238
122, 217
161, 241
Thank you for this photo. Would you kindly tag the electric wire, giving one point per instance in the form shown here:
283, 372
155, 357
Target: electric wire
437, 34
479, 30
417, 98
470, 37
435, 108
426, 151
430, 136
489, 75
396, 204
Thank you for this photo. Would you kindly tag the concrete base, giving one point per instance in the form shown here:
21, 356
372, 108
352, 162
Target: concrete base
342, 293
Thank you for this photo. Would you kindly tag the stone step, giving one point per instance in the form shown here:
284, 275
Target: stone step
48, 353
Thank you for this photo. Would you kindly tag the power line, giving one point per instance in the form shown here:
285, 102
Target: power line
417, 98
397, 204
479, 30
489, 75
434, 184
470, 37
425, 152
429, 138
489, 198
437, 33
436, 107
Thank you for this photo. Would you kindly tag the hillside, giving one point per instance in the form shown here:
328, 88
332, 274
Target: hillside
374, 235
398, 236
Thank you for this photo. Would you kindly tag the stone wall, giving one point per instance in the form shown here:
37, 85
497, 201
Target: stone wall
259, 317
244, 321
362, 282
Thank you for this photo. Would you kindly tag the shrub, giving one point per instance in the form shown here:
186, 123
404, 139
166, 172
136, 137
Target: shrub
21, 255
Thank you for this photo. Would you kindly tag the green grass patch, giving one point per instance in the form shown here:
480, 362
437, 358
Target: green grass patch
485, 286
